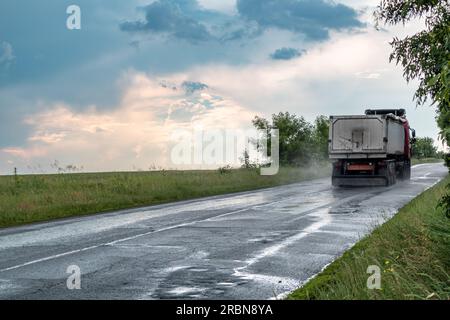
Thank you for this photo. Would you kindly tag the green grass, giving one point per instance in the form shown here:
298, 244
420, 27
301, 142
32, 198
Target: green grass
33, 198
412, 250
426, 160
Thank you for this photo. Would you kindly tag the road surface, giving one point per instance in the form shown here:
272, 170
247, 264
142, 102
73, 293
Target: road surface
251, 245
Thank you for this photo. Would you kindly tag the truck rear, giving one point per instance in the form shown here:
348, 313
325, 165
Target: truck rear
370, 150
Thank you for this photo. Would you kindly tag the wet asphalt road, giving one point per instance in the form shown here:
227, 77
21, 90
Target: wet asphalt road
252, 245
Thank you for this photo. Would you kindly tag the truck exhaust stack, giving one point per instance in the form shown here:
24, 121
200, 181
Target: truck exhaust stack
372, 149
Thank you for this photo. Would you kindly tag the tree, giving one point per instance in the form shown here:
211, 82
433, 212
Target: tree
424, 148
300, 141
321, 136
424, 56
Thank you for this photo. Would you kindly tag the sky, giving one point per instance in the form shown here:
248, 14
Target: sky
110, 95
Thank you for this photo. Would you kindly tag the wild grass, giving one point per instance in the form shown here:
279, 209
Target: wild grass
412, 250
426, 160
33, 198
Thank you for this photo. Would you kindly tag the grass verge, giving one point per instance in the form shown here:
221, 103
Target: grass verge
412, 250
426, 160
34, 198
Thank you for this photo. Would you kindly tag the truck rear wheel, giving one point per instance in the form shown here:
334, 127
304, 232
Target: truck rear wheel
334, 183
394, 176
393, 173
407, 170
389, 173
385, 173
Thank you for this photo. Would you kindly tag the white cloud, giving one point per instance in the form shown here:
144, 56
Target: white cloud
345, 75
23, 153
226, 6
136, 134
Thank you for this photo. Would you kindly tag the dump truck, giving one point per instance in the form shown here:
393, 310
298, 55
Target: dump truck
373, 149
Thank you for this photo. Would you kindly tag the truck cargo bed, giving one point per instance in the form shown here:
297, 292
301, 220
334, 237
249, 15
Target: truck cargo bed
366, 136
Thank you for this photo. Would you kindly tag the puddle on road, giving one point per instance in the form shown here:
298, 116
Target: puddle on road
201, 281
352, 207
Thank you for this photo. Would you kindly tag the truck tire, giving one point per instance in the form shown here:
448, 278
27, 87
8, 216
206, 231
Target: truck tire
385, 173
335, 173
394, 176
334, 183
393, 173
407, 170
390, 173
401, 171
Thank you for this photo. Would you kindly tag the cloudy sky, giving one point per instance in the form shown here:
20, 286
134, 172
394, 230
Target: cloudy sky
110, 95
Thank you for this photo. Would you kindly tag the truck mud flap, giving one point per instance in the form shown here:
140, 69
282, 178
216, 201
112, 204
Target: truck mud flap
358, 181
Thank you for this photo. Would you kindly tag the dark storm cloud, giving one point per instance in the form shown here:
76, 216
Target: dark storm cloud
186, 19
286, 54
314, 18
177, 18
191, 87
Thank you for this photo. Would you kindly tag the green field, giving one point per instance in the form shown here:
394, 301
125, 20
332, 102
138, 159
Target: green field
412, 250
33, 198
